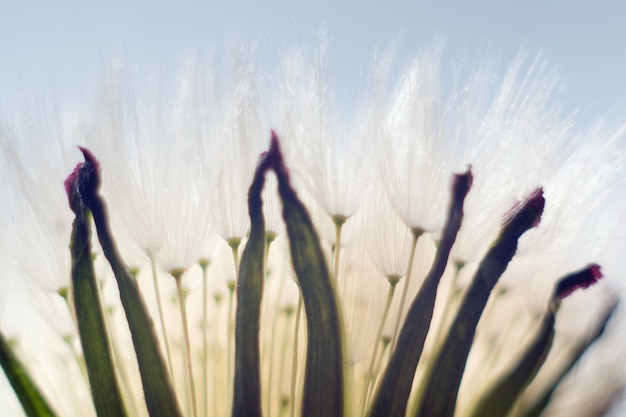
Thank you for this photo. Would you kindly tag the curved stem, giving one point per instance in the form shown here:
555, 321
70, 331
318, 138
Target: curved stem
294, 360
449, 302
118, 358
69, 339
178, 276
385, 341
234, 244
230, 335
396, 328
369, 377
204, 265
338, 220
271, 350
168, 352
288, 311
214, 348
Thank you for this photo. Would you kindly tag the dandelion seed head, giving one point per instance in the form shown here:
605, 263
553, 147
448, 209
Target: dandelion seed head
177, 165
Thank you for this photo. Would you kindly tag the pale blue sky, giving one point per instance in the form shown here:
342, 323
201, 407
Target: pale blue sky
60, 46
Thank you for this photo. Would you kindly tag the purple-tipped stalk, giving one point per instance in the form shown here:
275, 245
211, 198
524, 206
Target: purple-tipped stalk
323, 380
82, 187
527, 210
84, 181
395, 387
441, 388
581, 279
505, 390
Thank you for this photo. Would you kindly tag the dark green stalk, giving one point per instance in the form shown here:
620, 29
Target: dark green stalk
160, 398
323, 381
94, 339
247, 387
294, 359
442, 386
31, 398
395, 388
502, 394
535, 408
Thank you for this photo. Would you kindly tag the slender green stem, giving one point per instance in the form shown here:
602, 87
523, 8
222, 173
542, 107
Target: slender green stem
218, 299
177, 274
204, 265
284, 406
234, 244
386, 341
271, 351
294, 359
338, 220
157, 291
69, 339
117, 357
393, 281
409, 270
498, 340
78, 357
288, 311
269, 238
134, 272
230, 334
